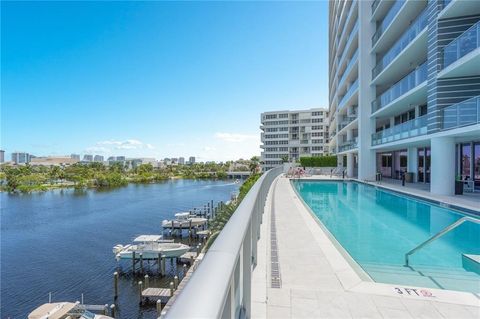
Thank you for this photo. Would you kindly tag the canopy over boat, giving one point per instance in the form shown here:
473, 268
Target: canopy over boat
147, 238
184, 215
52, 310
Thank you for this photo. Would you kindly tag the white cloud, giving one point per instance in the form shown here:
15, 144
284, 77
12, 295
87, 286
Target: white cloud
112, 146
130, 144
235, 137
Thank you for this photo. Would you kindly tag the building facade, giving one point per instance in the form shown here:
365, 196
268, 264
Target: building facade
98, 158
75, 156
88, 158
20, 158
2, 156
191, 160
404, 81
288, 135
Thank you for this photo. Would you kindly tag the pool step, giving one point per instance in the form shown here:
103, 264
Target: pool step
433, 277
471, 263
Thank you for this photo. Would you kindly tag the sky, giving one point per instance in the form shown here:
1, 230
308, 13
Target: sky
156, 79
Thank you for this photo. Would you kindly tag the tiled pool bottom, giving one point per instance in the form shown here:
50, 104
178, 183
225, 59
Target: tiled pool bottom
378, 227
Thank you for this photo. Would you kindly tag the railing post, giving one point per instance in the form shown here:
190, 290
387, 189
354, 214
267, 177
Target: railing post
247, 272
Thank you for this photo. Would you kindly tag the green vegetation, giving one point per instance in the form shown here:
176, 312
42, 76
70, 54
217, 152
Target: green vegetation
40, 178
224, 214
321, 161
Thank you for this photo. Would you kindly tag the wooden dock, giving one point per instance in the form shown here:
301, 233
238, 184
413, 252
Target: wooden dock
162, 294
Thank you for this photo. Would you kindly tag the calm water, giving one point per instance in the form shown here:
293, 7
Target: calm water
378, 227
61, 241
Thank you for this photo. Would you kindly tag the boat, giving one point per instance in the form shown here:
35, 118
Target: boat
150, 246
64, 310
184, 220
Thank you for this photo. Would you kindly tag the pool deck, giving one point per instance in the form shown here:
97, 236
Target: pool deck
318, 282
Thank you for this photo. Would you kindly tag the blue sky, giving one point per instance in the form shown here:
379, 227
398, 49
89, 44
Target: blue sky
156, 79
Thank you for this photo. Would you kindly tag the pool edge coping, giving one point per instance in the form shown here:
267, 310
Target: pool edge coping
352, 281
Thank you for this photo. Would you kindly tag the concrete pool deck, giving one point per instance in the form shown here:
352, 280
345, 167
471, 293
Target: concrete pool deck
317, 281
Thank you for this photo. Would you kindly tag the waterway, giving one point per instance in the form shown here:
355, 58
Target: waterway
61, 241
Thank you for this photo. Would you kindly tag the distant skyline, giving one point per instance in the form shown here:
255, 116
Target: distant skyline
156, 79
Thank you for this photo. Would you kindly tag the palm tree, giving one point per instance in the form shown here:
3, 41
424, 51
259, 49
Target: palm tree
253, 166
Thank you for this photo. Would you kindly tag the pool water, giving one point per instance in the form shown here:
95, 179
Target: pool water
377, 227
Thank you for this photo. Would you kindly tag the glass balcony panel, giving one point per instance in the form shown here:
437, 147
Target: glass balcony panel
409, 82
349, 93
461, 46
348, 68
412, 128
412, 32
387, 20
462, 114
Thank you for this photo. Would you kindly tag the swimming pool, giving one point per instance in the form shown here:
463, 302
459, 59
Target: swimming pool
377, 227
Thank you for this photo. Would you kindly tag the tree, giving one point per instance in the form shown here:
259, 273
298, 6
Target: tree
253, 166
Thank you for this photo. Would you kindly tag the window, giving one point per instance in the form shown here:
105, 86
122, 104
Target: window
283, 116
423, 109
270, 116
317, 120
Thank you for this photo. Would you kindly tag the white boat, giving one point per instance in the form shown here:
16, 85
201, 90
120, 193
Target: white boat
150, 246
184, 220
64, 310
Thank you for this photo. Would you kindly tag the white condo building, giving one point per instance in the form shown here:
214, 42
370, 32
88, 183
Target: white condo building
405, 89
292, 134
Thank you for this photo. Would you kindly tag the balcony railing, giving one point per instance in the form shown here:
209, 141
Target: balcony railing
407, 83
346, 120
408, 36
461, 46
412, 128
348, 145
350, 39
462, 114
349, 94
348, 68
226, 269
387, 20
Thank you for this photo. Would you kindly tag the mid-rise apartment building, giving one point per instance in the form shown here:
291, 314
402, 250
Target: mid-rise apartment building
288, 135
20, 158
2, 156
405, 89
191, 160
88, 158
98, 158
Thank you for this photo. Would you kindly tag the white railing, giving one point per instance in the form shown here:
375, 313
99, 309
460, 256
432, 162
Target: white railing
221, 286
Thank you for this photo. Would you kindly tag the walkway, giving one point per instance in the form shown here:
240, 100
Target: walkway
317, 281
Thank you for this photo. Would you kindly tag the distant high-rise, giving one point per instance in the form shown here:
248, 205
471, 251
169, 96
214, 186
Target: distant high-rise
98, 158
181, 160
2, 156
87, 158
120, 158
20, 157
289, 135
75, 156
191, 160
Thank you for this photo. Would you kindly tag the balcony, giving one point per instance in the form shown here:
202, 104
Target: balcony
353, 88
352, 36
387, 20
406, 84
408, 36
349, 67
412, 128
452, 9
459, 58
346, 121
348, 145
462, 114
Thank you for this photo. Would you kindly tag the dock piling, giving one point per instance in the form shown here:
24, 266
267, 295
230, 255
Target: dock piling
175, 282
159, 307
115, 284
171, 289
112, 310
140, 290
184, 270
147, 281
141, 263
133, 261
105, 309
164, 269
